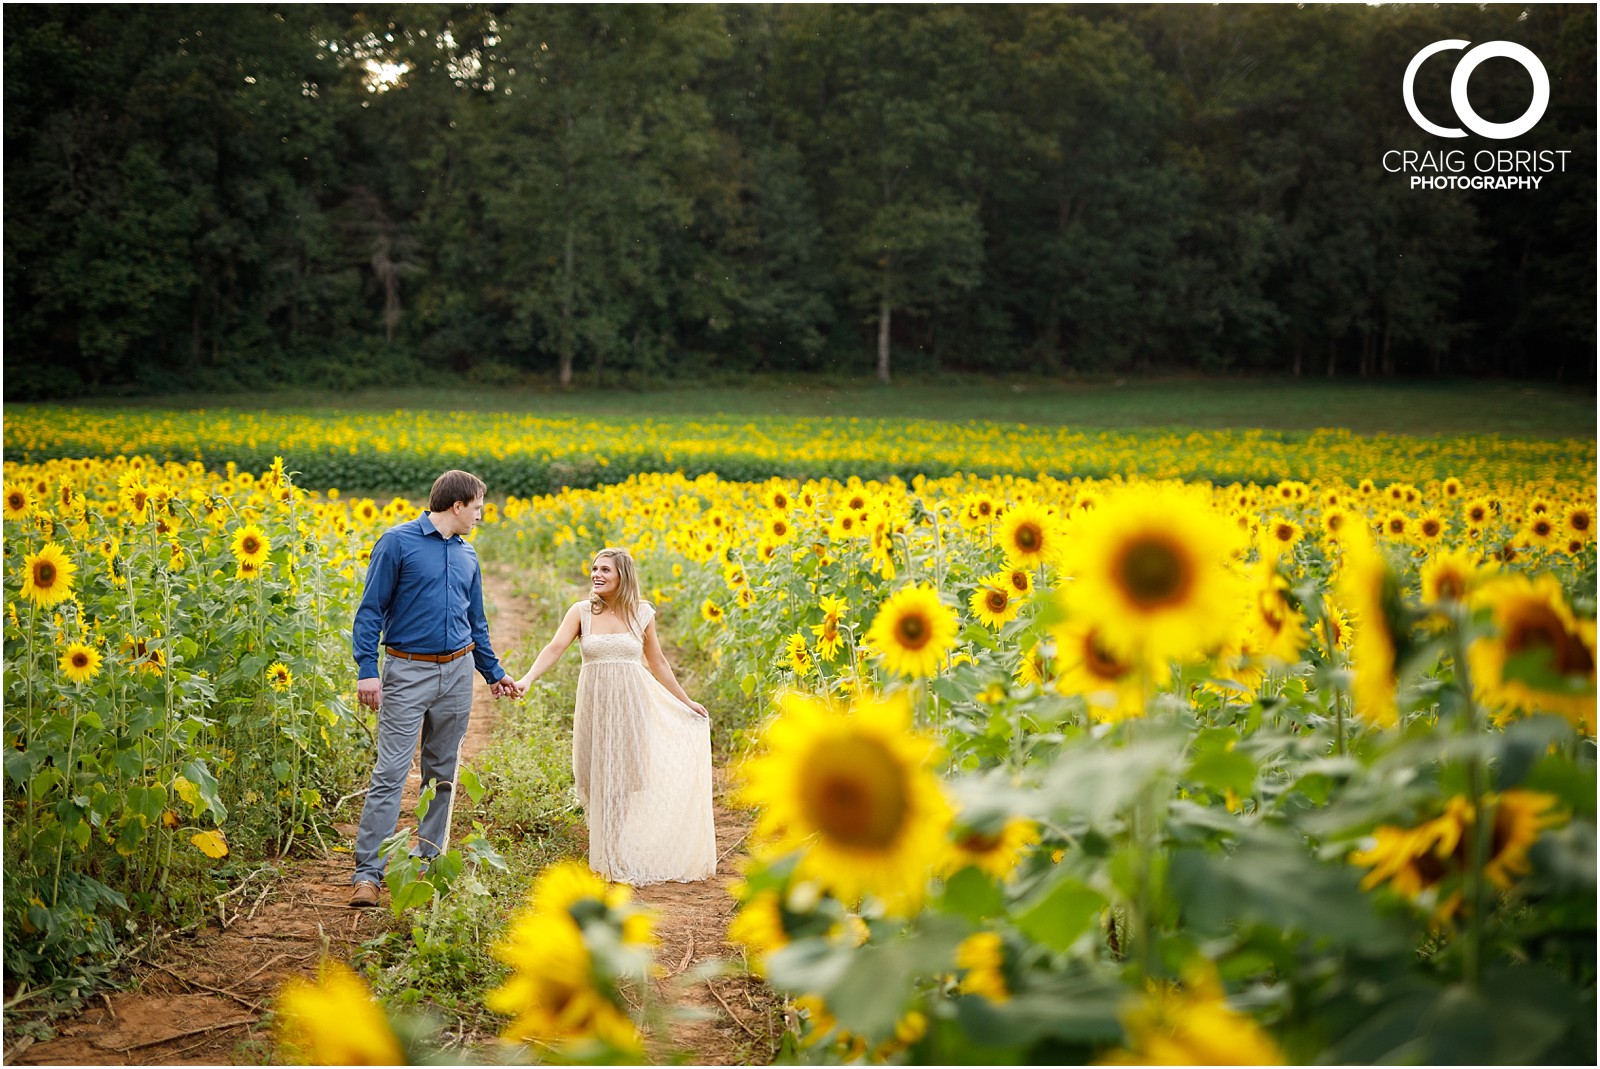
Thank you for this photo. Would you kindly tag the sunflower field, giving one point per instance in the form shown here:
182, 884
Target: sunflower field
1224, 747
1141, 770
176, 689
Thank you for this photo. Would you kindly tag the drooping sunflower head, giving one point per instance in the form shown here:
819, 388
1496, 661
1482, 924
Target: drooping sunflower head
913, 631
854, 792
981, 959
1111, 683
796, 657
335, 1021
711, 611
1370, 589
1541, 657
995, 846
1152, 571
1520, 817
1192, 1024
47, 575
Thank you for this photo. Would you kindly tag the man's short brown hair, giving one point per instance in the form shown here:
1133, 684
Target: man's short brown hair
454, 486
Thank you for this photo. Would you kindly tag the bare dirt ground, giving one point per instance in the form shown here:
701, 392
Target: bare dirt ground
201, 999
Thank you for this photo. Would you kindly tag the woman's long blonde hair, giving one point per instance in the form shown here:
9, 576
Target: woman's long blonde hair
625, 602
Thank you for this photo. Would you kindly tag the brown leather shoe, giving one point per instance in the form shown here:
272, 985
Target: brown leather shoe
365, 896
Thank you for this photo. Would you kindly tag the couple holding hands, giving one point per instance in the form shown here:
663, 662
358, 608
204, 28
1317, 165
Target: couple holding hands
641, 747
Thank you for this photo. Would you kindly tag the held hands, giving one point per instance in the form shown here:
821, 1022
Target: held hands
506, 687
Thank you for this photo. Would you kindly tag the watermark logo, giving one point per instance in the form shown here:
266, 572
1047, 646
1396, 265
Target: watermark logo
1468, 63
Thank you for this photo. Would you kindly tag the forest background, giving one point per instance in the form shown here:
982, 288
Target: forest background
250, 196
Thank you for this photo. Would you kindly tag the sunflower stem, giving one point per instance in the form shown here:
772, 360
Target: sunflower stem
1338, 692
1477, 838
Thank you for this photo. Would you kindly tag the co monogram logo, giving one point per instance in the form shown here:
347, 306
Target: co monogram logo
1458, 89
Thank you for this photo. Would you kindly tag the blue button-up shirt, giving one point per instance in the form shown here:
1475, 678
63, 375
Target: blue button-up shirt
424, 595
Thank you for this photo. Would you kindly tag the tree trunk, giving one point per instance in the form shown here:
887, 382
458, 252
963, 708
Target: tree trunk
566, 306
1333, 356
1388, 355
1298, 350
883, 339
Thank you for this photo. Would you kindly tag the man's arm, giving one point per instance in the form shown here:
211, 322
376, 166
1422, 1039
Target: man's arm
383, 574
483, 656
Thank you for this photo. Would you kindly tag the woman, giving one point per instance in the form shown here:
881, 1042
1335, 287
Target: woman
641, 747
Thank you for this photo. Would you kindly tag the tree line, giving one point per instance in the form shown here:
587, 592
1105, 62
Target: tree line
246, 195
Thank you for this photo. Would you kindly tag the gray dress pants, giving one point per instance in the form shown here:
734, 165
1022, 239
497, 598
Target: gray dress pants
420, 700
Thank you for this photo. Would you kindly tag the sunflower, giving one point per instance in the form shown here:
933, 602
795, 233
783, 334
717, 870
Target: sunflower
1478, 512
1283, 533
796, 658
981, 957
133, 495
992, 603
759, 928
1430, 527
1519, 819
1192, 1024
1153, 575
80, 663
1452, 575
1334, 523
1370, 589
996, 850
1018, 580
47, 580
1578, 521
1397, 525
777, 528
1029, 536
251, 546
1541, 657
561, 991
1542, 530
18, 502
855, 792
711, 611
1451, 487
1111, 684
1036, 665
1278, 627
777, 498
913, 631
829, 636
278, 676
335, 1021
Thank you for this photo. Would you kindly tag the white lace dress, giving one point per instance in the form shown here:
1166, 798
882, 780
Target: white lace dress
641, 762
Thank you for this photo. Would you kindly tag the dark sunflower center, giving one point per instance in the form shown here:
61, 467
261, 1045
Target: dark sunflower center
1476, 515
855, 793
1284, 532
250, 545
1154, 573
1335, 521
80, 659
1100, 661
913, 631
16, 501
1538, 627
1019, 581
1397, 524
996, 601
44, 574
1430, 527
1452, 586
1029, 537
978, 843
1580, 521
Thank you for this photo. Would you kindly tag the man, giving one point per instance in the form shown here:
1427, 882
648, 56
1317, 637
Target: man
424, 597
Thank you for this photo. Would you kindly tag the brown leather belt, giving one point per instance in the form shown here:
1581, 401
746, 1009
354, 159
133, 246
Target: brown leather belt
431, 658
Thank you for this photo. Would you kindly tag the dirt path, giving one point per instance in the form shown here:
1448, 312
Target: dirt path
201, 1001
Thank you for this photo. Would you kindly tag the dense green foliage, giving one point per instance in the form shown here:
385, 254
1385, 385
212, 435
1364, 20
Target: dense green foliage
237, 195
